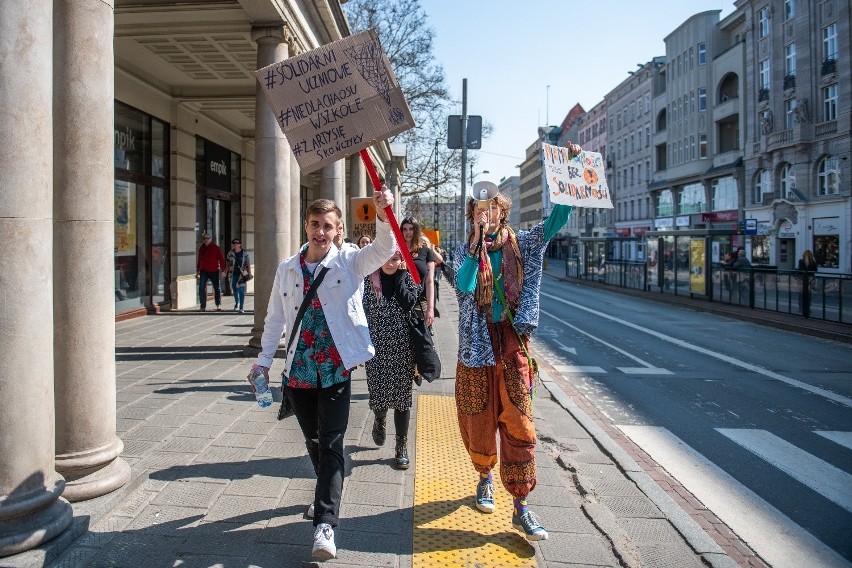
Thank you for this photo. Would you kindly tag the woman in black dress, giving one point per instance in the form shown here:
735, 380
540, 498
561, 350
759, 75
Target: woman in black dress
424, 262
389, 295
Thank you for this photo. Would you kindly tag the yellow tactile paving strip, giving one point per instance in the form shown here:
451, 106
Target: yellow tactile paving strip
448, 528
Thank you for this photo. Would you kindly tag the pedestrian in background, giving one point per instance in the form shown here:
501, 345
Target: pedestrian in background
389, 295
209, 265
498, 278
239, 264
333, 339
808, 265
364, 240
424, 263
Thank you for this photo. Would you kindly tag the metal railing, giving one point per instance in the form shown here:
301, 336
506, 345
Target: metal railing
811, 295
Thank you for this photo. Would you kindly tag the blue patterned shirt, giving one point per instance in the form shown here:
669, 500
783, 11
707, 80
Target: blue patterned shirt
474, 341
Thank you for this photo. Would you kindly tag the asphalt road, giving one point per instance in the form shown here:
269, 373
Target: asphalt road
755, 422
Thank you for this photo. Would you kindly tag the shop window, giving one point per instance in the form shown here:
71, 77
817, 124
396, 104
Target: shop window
724, 194
827, 251
665, 204
141, 220
760, 249
692, 199
217, 186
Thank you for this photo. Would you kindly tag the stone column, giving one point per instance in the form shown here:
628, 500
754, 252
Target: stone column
333, 184
31, 510
296, 226
272, 186
358, 178
87, 448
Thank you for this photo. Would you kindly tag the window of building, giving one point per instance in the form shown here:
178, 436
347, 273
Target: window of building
789, 9
692, 101
691, 58
725, 195
692, 147
702, 145
790, 60
665, 203
647, 171
789, 113
763, 74
763, 22
217, 192
691, 199
702, 53
761, 186
647, 102
828, 176
827, 242
829, 102
141, 189
829, 42
638, 173
632, 209
787, 181
702, 99
647, 136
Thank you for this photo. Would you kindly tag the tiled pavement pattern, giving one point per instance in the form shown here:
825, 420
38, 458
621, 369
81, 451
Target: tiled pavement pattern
218, 481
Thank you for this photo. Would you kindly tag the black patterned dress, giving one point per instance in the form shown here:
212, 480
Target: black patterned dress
391, 372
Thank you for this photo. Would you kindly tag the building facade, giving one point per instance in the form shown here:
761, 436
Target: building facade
149, 130
629, 120
797, 194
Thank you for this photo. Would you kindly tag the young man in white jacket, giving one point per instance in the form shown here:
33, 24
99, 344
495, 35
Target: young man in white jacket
331, 341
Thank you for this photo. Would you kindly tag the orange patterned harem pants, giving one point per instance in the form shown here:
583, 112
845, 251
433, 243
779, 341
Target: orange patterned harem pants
491, 400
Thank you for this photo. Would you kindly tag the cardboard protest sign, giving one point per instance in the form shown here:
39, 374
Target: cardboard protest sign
575, 180
363, 222
335, 100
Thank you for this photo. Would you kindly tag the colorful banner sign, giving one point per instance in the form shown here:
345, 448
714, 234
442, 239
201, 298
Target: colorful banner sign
575, 180
336, 100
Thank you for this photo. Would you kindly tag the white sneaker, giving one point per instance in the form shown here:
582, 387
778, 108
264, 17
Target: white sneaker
310, 512
324, 548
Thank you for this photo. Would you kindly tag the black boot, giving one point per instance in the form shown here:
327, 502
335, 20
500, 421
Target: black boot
379, 431
401, 458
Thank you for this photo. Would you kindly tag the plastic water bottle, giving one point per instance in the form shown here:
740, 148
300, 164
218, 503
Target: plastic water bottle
261, 387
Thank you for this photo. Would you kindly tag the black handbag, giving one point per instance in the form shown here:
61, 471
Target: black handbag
286, 409
425, 355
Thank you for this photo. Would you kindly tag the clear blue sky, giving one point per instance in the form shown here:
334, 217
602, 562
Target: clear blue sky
511, 50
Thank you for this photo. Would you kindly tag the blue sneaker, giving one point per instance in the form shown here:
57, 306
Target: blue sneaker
529, 525
485, 496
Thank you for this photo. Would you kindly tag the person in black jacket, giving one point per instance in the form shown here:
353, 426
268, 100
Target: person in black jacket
389, 295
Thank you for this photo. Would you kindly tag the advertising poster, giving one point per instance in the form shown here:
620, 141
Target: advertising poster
575, 180
697, 280
125, 219
363, 222
333, 101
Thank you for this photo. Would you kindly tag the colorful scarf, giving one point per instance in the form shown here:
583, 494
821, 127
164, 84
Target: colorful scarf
511, 271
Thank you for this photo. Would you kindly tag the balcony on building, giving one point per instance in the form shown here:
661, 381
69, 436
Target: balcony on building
727, 97
728, 140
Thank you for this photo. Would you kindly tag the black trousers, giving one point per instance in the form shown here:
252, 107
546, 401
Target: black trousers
323, 414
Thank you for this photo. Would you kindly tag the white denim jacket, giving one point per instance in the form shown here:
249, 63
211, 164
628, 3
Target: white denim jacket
340, 294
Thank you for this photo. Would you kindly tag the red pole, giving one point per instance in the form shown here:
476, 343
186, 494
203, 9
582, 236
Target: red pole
403, 246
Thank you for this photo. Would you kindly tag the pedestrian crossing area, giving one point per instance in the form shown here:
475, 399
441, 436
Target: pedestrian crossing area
774, 536
592, 370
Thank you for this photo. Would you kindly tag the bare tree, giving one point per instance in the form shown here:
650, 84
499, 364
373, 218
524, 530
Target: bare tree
408, 42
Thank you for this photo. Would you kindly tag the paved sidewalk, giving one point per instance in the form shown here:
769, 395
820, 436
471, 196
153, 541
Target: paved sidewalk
218, 481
